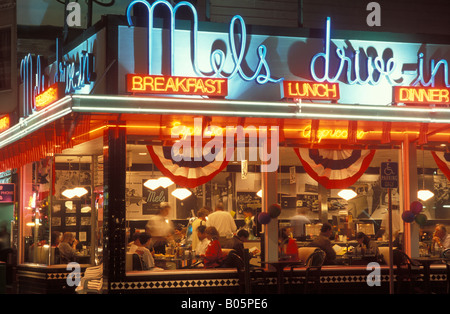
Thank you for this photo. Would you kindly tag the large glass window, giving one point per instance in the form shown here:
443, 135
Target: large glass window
62, 202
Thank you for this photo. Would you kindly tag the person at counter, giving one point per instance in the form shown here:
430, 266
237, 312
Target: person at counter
441, 237
366, 245
142, 242
287, 247
203, 242
323, 242
237, 242
298, 223
179, 235
202, 213
67, 248
223, 222
160, 228
214, 256
249, 218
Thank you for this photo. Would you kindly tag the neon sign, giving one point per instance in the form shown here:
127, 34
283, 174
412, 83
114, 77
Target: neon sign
313, 91
330, 133
153, 84
434, 67
375, 66
74, 74
184, 131
49, 96
421, 95
4, 122
261, 74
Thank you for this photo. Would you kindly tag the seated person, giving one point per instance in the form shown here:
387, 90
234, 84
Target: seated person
132, 245
287, 246
179, 235
142, 242
324, 243
441, 237
214, 256
203, 243
237, 243
365, 245
67, 247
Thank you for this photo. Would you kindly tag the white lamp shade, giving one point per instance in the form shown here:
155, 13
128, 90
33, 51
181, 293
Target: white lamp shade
347, 194
181, 193
165, 182
259, 193
152, 184
424, 195
78, 192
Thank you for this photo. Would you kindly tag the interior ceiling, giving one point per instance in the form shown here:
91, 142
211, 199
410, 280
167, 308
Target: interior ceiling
287, 155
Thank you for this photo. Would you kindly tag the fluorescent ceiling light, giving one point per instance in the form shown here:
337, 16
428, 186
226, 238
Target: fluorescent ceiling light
424, 195
347, 194
181, 193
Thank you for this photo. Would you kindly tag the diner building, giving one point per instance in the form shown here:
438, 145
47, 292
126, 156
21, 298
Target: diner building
278, 120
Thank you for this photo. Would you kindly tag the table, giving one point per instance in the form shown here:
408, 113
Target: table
426, 261
280, 266
173, 262
353, 259
82, 258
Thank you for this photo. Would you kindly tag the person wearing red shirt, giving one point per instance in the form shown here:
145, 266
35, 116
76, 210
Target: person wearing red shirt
214, 256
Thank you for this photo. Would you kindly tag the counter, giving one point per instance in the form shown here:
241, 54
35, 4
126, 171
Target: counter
335, 279
44, 279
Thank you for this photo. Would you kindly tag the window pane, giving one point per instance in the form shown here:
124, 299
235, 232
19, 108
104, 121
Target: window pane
5, 58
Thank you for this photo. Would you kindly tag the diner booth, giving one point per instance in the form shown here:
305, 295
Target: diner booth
250, 119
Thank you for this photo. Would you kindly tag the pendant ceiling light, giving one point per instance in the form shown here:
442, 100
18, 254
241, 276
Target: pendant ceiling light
347, 194
165, 182
78, 191
424, 195
152, 184
181, 193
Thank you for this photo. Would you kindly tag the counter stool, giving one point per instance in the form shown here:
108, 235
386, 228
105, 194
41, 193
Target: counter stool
248, 277
313, 271
408, 272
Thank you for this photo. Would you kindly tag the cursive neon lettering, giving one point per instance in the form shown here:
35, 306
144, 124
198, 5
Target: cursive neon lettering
434, 67
374, 65
261, 74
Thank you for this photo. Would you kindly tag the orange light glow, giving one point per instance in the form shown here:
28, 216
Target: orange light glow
49, 96
308, 90
330, 133
421, 95
4, 122
152, 84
